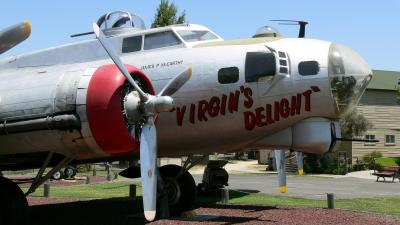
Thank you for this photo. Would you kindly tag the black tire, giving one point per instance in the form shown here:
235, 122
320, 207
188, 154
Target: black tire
13, 204
69, 172
187, 188
57, 175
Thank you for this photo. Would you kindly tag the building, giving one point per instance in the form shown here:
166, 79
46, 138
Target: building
379, 106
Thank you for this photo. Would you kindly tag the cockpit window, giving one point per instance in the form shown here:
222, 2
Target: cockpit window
259, 64
132, 44
196, 35
160, 40
307, 68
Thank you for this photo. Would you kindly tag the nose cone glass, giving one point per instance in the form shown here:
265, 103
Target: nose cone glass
349, 76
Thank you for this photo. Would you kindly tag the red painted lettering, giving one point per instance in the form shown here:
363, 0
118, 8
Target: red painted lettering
260, 118
307, 102
269, 114
213, 108
284, 108
315, 89
296, 105
233, 101
180, 112
192, 112
223, 104
276, 109
201, 110
249, 120
248, 93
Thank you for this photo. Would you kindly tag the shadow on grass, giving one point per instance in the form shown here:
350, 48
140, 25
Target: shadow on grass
97, 212
215, 197
118, 211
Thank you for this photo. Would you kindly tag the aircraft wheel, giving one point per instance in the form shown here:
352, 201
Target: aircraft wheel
70, 172
13, 204
181, 191
57, 175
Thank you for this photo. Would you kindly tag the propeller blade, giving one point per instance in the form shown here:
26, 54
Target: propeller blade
280, 167
299, 159
14, 35
115, 58
148, 159
177, 82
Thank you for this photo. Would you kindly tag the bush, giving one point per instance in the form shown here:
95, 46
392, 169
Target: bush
369, 159
397, 161
322, 164
83, 168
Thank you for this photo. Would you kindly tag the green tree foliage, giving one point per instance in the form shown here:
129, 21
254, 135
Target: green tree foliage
369, 159
166, 15
354, 124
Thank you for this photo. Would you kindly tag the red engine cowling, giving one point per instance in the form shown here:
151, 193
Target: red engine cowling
104, 109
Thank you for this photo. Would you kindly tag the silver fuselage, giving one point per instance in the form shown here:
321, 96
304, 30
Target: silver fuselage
209, 116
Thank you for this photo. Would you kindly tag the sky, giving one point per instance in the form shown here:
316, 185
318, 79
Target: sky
372, 28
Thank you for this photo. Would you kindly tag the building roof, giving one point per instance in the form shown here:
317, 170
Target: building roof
384, 80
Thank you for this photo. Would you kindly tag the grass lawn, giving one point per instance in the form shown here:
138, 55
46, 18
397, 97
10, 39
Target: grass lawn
386, 161
120, 188
92, 191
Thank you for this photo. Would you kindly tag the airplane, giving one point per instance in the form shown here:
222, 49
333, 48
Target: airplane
180, 90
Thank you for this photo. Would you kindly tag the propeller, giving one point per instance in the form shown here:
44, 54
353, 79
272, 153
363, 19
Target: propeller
148, 106
14, 35
280, 167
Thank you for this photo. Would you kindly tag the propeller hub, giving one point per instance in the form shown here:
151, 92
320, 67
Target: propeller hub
157, 104
132, 107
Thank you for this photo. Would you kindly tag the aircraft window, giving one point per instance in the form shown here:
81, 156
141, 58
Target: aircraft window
259, 64
228, 75
196, 35
160, 40
307, 68
132, 44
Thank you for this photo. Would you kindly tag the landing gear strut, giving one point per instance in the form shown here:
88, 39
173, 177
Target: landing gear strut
13, 204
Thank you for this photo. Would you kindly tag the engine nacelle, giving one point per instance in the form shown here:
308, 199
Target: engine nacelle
104, 107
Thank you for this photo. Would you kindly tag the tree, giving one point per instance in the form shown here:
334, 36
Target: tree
354, 124
166, 15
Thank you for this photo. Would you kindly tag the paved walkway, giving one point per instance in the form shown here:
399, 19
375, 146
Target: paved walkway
359, 184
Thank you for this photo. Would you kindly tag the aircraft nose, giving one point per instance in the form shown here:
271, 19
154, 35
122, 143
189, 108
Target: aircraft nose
349, 75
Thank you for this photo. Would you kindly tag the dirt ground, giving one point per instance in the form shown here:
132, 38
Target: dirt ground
119, 211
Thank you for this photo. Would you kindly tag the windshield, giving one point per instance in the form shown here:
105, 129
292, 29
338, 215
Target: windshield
196, 35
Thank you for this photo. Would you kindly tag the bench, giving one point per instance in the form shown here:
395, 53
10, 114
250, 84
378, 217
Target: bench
387, 171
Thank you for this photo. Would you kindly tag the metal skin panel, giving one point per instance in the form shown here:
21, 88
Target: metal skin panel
60, 89
36, 93
209, 116
42, 141
27, 95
